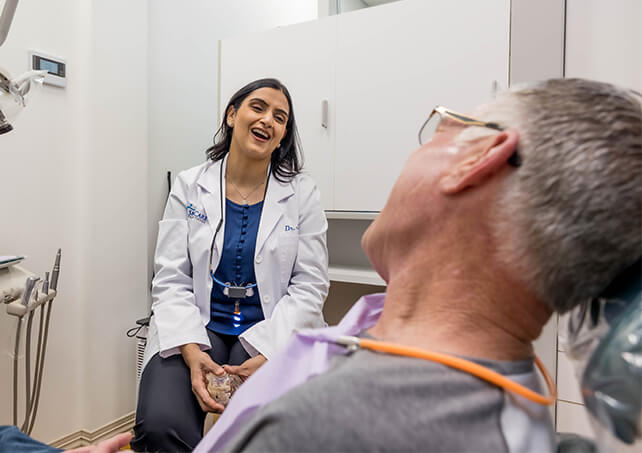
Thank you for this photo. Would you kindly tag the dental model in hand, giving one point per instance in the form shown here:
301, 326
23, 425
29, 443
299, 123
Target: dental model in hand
221, 388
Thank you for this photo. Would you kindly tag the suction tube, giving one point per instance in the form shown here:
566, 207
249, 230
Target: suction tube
33, 297
30, 421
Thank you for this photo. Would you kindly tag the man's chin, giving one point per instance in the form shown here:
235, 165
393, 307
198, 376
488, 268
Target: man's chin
365, 239
369, 247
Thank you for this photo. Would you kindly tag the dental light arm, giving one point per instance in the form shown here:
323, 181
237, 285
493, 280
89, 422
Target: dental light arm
13, 93
22, 86
5, 19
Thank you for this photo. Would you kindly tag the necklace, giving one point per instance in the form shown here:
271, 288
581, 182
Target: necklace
245, 197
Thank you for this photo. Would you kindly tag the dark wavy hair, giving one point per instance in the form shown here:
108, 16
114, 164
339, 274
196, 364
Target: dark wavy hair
287, 160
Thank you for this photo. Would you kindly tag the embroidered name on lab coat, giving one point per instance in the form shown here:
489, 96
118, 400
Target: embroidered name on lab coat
291, 228
193, 213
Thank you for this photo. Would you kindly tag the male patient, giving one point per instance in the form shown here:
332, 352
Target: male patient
497, 221
529, 206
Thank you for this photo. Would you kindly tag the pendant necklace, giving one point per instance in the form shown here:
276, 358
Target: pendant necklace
245, 197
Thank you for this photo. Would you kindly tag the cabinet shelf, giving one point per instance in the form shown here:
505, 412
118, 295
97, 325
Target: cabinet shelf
350, 274
351, 215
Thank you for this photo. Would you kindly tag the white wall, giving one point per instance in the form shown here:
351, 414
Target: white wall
603, 42
183, 77
115, 182
87, 167
90, 162
537, 40
74, 175
35, 221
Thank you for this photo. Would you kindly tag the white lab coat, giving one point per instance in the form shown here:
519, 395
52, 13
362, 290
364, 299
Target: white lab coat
290, 263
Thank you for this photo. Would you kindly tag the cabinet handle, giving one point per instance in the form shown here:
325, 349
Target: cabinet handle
324, 114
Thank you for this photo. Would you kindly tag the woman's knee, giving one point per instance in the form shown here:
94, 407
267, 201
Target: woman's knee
166, 431
168, 417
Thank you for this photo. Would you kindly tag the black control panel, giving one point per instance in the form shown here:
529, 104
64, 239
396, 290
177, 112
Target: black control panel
52, 67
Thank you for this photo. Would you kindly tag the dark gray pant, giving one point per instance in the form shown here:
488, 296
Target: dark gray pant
168, 417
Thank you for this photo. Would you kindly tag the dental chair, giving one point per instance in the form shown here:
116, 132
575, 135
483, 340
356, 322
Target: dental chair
605, 342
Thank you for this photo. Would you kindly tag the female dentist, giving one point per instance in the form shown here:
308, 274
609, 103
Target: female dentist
241, 261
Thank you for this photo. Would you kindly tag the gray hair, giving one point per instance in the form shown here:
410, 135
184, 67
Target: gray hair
570, 218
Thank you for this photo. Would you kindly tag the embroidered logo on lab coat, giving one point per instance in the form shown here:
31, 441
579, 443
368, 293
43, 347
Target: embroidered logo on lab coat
291, 228
193, 213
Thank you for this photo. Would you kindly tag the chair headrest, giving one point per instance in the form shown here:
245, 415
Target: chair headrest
612, 379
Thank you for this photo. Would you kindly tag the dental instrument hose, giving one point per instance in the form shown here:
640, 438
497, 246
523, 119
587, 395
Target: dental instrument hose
39, 373
15, 373
32, 399
28, 417
26, 296
33, 388
28, 364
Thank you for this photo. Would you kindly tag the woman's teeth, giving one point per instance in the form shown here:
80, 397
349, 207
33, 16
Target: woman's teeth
260, 134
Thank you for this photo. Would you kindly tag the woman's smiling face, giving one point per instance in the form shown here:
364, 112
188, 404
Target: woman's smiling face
259, 124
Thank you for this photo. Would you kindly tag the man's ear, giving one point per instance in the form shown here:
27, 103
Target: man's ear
489, 155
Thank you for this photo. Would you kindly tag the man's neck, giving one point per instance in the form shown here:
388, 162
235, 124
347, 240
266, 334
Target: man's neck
463, 311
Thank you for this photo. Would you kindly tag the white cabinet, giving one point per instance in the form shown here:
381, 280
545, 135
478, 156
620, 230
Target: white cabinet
381, 70
394, 64
302, 57
602, 43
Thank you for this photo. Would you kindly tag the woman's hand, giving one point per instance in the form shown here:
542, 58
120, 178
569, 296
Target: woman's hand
199, 364
247, 368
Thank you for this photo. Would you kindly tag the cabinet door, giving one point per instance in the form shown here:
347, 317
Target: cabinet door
302, 57
394, 64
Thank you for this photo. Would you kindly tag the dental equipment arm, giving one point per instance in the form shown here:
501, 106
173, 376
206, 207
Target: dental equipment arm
13, 92
5, 19
28, 362
36, 293
30, 288
30, 418
15, 372
26, 295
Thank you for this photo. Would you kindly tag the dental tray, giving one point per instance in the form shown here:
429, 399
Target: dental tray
6, 261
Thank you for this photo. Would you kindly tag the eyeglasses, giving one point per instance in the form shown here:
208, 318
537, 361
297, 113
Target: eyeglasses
430, 126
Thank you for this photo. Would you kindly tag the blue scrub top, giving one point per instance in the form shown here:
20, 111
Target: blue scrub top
237, 267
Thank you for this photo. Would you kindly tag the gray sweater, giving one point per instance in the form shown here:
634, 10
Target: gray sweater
375, 402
